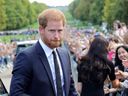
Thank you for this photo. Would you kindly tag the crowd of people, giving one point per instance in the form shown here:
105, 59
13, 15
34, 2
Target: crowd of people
88, 65
7, 52
92, 58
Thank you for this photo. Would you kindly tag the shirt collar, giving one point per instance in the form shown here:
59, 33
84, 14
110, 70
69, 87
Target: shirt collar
47, 50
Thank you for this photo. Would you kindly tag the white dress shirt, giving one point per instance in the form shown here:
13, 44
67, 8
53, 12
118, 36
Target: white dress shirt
48, 51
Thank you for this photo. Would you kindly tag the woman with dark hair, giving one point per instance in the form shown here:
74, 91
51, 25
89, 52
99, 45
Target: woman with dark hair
121, 62
94, 69
119, 58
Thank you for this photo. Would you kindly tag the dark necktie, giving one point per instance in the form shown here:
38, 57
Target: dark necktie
58, 77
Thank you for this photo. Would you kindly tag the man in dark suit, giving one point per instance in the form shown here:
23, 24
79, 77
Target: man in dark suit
34, 71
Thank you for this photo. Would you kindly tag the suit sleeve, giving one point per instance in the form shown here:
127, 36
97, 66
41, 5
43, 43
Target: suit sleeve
72, 90
21, 76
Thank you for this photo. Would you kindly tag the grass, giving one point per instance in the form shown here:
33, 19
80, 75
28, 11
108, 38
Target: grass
8, 38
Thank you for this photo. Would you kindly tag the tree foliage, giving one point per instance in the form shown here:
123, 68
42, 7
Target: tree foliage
16, 14
2, 15
38, 7
97, 11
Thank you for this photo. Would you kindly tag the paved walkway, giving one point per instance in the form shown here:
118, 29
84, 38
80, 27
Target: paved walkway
6, 77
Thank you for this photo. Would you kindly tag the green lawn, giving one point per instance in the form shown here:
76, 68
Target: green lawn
8, 38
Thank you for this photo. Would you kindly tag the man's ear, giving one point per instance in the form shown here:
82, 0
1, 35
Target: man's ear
41, 28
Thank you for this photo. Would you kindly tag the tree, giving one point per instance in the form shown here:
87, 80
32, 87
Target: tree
11, 14
83, 9
38, 7
96, 11
87, 10
2, 15
29, 12
115, 10
72, 7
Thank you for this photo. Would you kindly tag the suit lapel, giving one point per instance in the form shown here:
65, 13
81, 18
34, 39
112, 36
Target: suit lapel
45, 63
64, 64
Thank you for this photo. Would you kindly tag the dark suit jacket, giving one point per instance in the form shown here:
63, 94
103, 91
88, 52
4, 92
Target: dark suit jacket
32, 75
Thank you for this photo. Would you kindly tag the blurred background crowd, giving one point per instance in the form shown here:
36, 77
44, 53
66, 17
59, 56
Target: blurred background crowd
76, 40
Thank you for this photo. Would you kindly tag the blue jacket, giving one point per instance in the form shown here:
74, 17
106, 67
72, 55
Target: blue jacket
32, 75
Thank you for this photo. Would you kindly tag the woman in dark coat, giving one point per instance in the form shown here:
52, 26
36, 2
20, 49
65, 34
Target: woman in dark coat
94, 69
